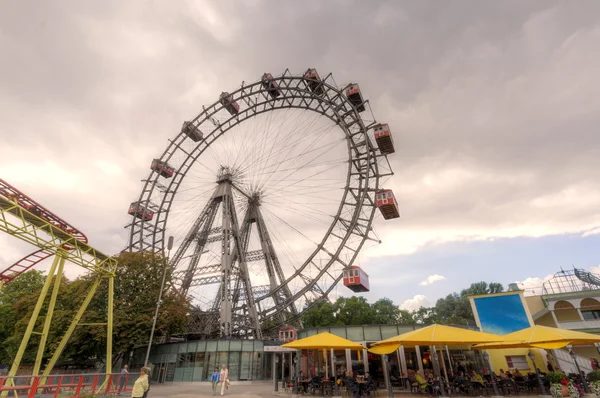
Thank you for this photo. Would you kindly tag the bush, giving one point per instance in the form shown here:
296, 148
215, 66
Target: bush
555, 377
594, 375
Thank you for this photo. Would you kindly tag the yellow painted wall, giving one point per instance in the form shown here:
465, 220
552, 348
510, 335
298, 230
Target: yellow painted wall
498, 359
567, 315
535, 304
546, 320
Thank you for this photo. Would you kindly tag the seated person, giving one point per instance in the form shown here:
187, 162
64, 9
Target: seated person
423, 384
351, 385
369, 384
476, 379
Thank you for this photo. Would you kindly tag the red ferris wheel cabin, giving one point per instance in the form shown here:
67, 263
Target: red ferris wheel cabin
383, 138
386, 202
356, 279
136, 209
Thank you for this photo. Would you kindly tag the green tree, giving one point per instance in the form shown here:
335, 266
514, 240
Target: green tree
14, 298
353, 311
456, 308
137, 284
320, 314
406, 317
384, 311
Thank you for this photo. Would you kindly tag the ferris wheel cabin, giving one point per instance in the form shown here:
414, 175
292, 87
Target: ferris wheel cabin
191, 131
138, 210
162, 168
383, 138
387, 204
356, 279
270, 85
229, 104
355, 97
314, 81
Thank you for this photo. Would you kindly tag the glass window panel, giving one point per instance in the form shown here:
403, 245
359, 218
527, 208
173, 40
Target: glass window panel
372, 333
212, 362
223, 345
201, 346
222, 358
388, 331
199, 364
246, 366
247, 345
339, 331
355, 333
257, 365
258, 345
234, 365
235, 345
173, 348
181, 348
191, 347
211, 346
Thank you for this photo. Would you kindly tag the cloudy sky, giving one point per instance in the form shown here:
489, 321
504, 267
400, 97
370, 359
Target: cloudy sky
494, 106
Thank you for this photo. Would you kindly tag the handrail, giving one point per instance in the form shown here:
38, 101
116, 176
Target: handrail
82, 384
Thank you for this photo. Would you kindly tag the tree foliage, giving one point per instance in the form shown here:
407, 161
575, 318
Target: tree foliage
455, 308
351, 311
137, 284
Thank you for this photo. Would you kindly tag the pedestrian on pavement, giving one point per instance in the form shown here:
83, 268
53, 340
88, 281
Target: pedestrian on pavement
215, 379
224, 379
141, 386
123, 378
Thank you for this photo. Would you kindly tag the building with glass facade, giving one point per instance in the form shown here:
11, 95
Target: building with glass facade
253, 359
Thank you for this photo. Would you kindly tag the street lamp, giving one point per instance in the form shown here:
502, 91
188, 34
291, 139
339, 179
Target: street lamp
585, 387
486, 357
296, 372
438, 370
537, 372
275, 362
162, 286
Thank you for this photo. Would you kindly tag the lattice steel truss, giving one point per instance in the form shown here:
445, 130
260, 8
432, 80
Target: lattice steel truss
47, 235
351, 224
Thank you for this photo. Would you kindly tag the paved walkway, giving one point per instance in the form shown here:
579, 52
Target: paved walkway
257, 389
254, 389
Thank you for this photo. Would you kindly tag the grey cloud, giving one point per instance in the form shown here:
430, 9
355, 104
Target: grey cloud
505, 90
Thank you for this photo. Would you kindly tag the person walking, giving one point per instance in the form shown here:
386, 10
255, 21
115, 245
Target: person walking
123, 378
215, 379
141, 386
224, 379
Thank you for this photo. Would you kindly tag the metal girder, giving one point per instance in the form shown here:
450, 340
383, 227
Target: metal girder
357, 205
51, 237
18, 222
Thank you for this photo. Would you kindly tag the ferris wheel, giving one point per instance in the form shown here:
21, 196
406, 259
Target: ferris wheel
270, 194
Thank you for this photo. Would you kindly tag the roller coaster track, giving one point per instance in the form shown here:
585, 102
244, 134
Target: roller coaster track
9, 192
30, 222
23, 218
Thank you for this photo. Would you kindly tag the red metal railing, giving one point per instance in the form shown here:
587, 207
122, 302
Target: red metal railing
73, 385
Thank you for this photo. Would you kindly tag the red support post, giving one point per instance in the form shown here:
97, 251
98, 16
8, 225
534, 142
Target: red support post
94, 384
79, 384
57, 393
109, 383
33, 387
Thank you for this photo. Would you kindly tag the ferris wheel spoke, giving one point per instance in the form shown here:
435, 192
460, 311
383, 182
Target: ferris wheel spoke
297, 153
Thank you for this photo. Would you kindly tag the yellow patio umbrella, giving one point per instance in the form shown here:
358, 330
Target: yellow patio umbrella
323, 340
434, 335
542, 337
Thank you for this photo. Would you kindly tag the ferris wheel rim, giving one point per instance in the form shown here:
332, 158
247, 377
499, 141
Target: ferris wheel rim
153, 183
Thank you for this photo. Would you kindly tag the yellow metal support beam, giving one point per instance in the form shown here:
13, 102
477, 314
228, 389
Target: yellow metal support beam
18, 222
29, 330
49, 314
72, 326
